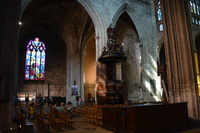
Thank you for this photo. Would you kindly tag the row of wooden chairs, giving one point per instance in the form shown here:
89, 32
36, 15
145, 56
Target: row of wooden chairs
42, 122
25, 125
54, 120
94, 116
92, 113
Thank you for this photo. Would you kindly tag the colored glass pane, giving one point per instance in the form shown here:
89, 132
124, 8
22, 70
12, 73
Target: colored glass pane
159, 13
194, 8
35, 60
194, 5
197, 22
193, 20
191, 7
198, 12
161, 27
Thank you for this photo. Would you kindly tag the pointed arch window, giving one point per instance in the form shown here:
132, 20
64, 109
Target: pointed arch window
160, 27
194, 6
158, 14
35, 60
195, 10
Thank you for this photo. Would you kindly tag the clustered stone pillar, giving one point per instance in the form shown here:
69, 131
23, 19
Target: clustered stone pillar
9, 16
179, 56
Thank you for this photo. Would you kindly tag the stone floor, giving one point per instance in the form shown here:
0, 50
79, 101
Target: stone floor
83, 126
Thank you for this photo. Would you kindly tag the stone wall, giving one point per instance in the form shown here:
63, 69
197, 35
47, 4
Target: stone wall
69, 21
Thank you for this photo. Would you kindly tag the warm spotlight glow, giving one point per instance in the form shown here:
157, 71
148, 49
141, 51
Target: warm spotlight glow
156, 98
20, 23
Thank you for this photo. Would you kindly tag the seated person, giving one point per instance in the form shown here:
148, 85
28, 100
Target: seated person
55, 106
31, 110
69, 107
62, 107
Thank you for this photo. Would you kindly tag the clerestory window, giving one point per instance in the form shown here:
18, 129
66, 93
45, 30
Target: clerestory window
158, 15
195, 10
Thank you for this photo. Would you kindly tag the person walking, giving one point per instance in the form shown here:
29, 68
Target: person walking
77, 100
27, 100
16, 101
40, 103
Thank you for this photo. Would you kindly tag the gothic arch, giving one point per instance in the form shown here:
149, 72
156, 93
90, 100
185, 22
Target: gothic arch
99, 28
24, 4
160, 43
130, 69
126, 7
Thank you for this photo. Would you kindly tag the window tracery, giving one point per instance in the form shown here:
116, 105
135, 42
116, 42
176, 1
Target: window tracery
158, 15
35, 60
195, 10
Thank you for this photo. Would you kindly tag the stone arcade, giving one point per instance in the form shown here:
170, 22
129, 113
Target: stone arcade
160, 39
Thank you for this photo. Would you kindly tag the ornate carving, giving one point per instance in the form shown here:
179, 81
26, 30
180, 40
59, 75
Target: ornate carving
112, 52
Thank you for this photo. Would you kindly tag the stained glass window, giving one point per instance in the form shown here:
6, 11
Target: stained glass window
35, 60
194, 6
195, 10
160, 27
159, 14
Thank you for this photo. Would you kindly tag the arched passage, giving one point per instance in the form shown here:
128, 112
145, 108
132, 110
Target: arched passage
90, 71
66, 27
130, 69
53, 84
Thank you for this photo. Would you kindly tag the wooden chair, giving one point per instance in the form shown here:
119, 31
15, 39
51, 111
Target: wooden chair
37, 119
63, 118
53, 123
42, 123
26, 126
46, 122
56, 122
99, 117
68, 121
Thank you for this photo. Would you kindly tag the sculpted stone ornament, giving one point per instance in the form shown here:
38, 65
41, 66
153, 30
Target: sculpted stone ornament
112, 52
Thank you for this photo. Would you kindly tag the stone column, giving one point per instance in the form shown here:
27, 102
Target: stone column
9, 16
179, 56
